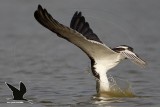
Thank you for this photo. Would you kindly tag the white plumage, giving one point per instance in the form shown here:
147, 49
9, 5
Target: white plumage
80, 34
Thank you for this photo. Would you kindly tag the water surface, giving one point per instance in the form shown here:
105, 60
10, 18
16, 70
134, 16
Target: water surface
56, 73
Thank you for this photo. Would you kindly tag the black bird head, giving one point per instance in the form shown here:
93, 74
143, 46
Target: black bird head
18, 94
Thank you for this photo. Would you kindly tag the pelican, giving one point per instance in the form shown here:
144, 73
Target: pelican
103, 58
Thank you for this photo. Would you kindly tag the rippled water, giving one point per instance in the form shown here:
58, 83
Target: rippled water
56, 73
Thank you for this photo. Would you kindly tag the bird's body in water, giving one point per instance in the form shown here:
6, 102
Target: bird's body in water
80, 34
18, 94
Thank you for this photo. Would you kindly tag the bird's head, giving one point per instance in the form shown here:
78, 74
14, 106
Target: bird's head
127, 52
123, 48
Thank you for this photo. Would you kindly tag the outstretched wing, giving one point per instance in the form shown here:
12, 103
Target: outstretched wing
22, 88
79, 24
93, 48
16, 92
12, 88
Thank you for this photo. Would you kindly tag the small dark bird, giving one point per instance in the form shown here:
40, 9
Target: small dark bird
18, 94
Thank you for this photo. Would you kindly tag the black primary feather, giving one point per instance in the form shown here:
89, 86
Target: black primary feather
79, 24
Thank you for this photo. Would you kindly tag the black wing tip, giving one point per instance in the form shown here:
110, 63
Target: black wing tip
78, 13
11, 87
40, 14
21, 83
39, 6
77, 19
79, 24
22, 87
8, 85
40, 11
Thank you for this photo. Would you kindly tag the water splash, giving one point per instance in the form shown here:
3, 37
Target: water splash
118, 88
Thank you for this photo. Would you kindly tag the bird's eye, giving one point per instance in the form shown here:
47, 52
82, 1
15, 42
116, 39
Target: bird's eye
130, 49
